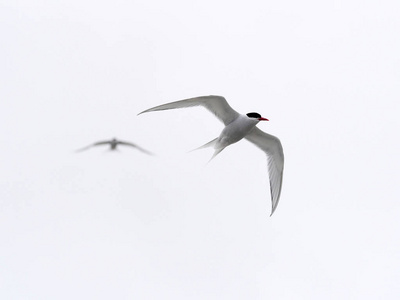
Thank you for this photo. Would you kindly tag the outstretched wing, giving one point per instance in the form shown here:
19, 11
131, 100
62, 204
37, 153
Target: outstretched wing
215, 104
272, 146
92, 145
135, 146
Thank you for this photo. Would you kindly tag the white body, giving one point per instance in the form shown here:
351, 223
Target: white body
235, 131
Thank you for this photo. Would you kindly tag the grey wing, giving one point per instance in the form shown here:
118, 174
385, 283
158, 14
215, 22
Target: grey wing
135, 146
272, 146
215, 104
92, 145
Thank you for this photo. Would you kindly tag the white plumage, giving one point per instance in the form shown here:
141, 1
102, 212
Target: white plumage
237, 127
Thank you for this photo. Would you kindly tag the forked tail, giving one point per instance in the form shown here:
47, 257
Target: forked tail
215, 153
209, 144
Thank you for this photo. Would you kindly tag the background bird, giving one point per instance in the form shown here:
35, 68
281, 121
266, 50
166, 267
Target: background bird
113, 145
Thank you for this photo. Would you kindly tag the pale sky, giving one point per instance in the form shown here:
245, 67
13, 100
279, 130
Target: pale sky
124, 225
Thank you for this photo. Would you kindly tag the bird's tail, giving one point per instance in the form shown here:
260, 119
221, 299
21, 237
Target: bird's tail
209, 144
215, 153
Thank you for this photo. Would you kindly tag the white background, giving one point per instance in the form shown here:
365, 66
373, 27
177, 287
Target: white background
124, 225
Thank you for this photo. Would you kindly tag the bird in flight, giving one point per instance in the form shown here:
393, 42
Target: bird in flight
237, 127
113, 145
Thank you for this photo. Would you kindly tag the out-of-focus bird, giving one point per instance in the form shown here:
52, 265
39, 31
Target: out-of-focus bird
113, 145
237, 127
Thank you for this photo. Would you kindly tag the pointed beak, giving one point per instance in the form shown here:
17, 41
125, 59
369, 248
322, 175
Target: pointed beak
262, 119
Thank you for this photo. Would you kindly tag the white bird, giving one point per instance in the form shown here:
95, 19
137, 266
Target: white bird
237, 127
113, 145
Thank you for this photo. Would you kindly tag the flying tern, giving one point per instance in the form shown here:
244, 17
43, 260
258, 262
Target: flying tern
237, 127
113, 145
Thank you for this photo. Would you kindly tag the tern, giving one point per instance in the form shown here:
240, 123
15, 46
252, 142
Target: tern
237, 127
113, 145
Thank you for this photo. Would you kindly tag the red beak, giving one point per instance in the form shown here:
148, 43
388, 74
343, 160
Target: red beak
263, 119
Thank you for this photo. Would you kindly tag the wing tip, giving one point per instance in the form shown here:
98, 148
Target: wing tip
148, 110
274, 206
272, 211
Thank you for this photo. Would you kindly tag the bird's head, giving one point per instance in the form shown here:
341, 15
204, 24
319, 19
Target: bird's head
256, 116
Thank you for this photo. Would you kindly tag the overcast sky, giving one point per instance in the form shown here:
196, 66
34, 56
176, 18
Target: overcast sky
125, 225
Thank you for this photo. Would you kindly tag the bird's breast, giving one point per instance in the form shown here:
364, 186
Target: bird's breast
235, 131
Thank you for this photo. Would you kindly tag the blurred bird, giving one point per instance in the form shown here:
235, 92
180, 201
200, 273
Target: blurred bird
237, 127
113, 145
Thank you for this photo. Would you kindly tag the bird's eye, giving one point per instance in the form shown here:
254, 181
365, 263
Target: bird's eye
253, 115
